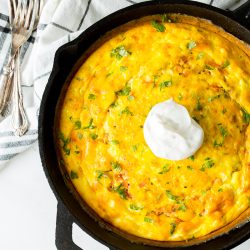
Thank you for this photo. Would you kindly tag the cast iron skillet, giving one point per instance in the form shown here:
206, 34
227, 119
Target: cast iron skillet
67, 60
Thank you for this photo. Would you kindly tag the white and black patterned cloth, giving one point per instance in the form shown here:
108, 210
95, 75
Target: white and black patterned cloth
61, 21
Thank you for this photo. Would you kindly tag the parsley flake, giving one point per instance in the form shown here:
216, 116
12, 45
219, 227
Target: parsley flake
148, 220
73, 175
78, 124
165, 169
173, 227
158, 26
91, 97
209, 163
90, 125
135, 207
93, 136
120, 52
116, 166
122, 191
191, 45
124, 91
165, 84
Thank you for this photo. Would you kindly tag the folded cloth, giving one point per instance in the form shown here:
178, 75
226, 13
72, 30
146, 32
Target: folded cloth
61, 21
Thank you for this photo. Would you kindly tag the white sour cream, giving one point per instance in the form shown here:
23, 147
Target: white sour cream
170, 132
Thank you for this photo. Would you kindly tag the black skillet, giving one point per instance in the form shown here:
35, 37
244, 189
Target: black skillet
68, 58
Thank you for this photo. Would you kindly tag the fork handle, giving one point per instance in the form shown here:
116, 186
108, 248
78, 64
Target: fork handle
19, 119
6, 85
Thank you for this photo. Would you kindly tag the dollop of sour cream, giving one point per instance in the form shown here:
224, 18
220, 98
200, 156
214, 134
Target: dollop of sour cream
170, 132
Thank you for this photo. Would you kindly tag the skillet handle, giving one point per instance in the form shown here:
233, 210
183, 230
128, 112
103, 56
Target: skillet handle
64, 222
242, 14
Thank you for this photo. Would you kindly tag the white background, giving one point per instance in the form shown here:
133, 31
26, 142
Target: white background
28, 208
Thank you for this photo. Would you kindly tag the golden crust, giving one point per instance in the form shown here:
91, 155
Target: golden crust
101, 141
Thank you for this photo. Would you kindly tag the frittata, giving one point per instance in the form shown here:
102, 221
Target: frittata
100, 128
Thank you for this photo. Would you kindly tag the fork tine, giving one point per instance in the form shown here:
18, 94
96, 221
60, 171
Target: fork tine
12, 10
28, 14
17, 12
34, 15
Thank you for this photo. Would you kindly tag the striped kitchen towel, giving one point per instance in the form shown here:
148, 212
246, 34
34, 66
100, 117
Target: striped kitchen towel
60, 22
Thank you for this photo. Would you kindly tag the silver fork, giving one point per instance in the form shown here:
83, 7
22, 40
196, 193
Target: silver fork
17, 14
23, 16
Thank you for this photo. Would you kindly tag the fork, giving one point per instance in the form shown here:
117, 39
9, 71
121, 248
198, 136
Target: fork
20, 33
23, 17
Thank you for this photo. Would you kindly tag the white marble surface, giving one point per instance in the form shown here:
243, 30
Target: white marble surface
28, 208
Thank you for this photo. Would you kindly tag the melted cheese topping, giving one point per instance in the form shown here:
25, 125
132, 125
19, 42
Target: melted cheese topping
101, 122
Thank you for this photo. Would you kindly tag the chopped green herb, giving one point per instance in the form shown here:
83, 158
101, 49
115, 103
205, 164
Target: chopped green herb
126, 111
171, 196
224, 110
65, 142
134, 147
124, 91
155, 80
120, 52
79, 135
220, 190
158, 26
123, 68
191, 45
78, 124
121, 191
223, 131
203, 192
165, 84
182, 207
245, 115
200, 55
149, 220
93, 136
209, 163
73, 175
198, 105
113, 104
190, 168
173, 227
92, 97
99, 174
191, 157
166, 18
135, 207
90, 125
77, 152
209, 67
114, 142
116, 166
131, 97
165, 169
109, 74
225, 64
210, 99
180, 96
217, 144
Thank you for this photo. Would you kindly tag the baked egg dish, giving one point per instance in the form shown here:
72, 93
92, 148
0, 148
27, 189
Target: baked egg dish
100, 128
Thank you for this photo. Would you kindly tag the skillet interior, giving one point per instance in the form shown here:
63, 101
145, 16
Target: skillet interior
62, 75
